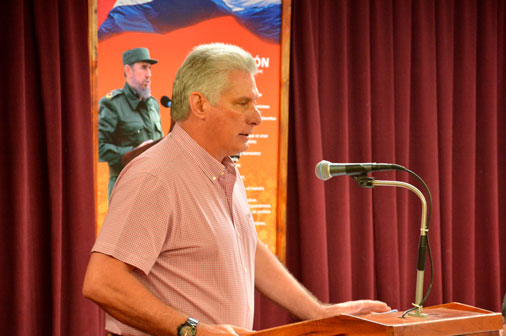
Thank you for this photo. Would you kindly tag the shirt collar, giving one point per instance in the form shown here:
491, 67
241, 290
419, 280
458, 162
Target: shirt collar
211, 167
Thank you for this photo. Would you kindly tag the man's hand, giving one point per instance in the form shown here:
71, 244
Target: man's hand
358, 307
144, 143
220, 329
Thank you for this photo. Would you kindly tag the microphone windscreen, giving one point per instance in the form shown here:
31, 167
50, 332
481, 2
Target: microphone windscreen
165, 101
322, 170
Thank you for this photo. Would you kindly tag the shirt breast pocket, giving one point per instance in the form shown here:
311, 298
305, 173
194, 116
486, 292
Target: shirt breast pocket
132, 130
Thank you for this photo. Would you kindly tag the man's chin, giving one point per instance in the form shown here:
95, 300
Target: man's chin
245, 148
142, 91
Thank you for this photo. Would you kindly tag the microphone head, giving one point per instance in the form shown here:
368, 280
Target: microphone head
322, 170
165, 101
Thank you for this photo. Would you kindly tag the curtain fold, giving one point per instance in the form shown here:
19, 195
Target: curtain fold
47, 169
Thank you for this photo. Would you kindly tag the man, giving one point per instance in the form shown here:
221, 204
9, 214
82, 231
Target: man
178, 252
504, 315
129, 118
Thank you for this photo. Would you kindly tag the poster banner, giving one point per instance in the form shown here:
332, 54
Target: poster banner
170, 29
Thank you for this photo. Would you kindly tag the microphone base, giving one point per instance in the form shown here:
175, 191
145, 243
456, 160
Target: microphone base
418, 312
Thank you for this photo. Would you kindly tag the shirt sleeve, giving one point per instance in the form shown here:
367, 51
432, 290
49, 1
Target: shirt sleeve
107, 125
136, 225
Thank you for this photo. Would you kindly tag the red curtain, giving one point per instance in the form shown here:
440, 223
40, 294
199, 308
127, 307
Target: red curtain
46, 180
418, 83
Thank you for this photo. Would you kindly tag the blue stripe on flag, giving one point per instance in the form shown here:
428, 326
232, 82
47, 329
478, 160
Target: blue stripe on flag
262, 17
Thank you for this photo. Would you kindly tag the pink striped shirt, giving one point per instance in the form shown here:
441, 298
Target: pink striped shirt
181, 218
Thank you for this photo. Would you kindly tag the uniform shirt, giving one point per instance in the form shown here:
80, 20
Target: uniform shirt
125, 121
181, 218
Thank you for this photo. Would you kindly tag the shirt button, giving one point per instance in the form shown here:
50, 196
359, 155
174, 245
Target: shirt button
245, 270
213, 178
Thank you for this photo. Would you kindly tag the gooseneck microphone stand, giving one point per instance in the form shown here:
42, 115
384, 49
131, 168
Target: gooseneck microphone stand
369, 182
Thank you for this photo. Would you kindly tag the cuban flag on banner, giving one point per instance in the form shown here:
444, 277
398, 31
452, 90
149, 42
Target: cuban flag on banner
262, 17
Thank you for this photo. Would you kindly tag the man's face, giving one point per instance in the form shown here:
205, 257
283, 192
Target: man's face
233, 118
139, 77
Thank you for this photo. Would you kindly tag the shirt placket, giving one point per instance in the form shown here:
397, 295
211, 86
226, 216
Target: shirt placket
227, 181
143, 109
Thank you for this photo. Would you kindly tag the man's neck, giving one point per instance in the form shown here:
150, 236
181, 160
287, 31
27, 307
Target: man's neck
200, 137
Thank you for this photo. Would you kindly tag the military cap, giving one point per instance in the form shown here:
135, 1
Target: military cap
137, 55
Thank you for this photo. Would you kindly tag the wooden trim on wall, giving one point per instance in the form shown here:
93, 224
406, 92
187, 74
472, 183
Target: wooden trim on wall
93, 45
283, 119
283, 129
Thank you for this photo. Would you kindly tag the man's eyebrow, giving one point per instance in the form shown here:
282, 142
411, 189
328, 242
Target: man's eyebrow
244, 98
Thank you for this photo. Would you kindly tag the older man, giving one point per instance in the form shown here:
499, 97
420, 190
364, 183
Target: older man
178, 253
129, 118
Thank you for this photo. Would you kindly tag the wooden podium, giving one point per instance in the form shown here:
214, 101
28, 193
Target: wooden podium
446, 319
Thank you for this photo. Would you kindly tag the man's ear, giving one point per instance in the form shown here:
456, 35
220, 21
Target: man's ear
127, 70
198, 105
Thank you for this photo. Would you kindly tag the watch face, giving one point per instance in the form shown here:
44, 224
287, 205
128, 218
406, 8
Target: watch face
186, 331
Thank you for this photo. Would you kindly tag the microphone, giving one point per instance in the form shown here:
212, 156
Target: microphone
165, 101
325, 170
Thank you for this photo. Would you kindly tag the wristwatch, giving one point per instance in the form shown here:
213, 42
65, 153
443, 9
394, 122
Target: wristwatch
189, 328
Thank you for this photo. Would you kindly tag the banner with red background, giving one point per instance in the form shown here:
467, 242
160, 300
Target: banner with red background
259, 166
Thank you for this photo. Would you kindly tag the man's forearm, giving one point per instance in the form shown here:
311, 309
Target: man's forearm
109, 283
275, 282
112, 154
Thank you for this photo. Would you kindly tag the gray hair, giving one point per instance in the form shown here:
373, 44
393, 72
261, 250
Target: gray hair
206, 70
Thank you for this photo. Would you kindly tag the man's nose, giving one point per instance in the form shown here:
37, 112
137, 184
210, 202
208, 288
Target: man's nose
255, 117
